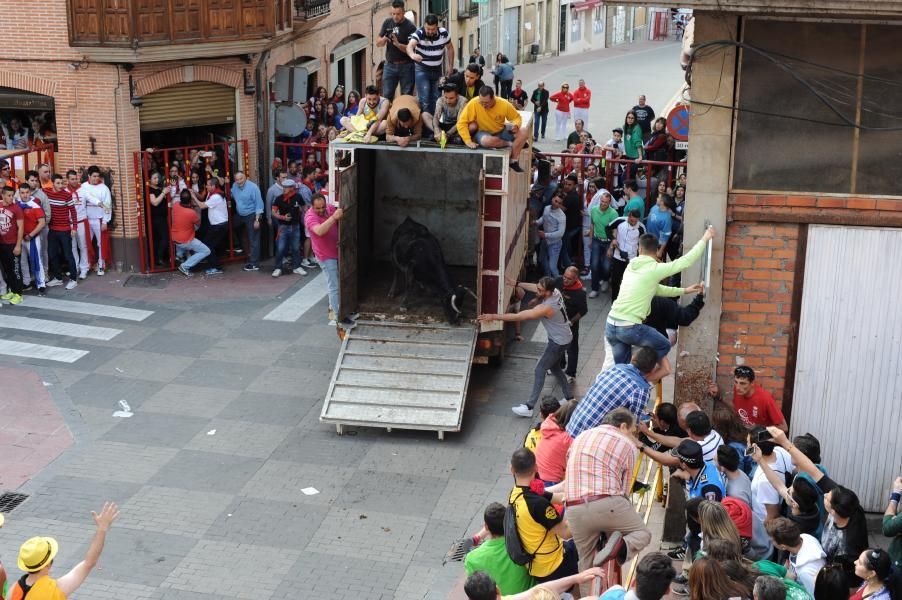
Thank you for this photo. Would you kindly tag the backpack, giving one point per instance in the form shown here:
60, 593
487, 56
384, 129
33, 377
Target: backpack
512, 542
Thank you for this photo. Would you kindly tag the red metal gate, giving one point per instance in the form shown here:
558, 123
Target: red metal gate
221, 160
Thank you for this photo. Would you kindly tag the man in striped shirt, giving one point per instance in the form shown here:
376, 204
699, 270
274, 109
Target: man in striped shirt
600, 467
427, 47
63, 223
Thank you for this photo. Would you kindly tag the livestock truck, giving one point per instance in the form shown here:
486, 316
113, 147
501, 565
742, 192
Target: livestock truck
408, 368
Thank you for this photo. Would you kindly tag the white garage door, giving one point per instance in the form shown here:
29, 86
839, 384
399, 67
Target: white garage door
848, 387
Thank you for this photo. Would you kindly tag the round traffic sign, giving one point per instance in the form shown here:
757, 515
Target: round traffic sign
678, 122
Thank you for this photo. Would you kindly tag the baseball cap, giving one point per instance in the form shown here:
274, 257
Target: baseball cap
36, 553
617, 130
289, 183
690, 453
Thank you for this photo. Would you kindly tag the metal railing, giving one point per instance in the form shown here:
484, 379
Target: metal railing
315, 154
615, 171
314, 9
22, 161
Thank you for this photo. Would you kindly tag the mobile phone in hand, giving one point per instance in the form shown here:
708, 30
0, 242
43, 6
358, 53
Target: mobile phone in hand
764, 436
750, 450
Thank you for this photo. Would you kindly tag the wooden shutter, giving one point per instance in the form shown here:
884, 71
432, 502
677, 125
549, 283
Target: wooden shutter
152, 20
188, 105
186, 18
256, 16
85, 17
222, 18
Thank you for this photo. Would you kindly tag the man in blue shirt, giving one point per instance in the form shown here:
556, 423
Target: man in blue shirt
623, 385
249, 206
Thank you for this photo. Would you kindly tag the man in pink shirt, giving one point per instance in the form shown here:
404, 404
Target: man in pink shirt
322, 224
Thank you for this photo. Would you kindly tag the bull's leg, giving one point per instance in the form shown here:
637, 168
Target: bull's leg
394, 284
408, 280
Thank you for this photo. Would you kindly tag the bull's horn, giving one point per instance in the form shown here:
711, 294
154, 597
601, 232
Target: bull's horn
472, 293
454, 303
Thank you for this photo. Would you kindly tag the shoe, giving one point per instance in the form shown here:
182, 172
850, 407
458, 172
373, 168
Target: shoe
521, 410
72, 284
593, 294
100, 272
678, 589
331, 314
681, 579
332, 323
347, 324
42, 291
306, 263
614, 549
213, 271
604, 286
28, 287
83, 275
354, 316
15, 299
314, 263
548, 371
571, 379
249, 267
677, 553
7, 296
299, 271
54, 282
515, 166
275, 273
239, 250
185, 271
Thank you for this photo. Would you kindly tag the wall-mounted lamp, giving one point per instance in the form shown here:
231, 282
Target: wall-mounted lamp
136, 100
249, 88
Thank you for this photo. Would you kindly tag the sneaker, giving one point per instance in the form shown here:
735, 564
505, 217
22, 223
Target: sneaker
83, 275
515, 166
677, 553
313, 262
299, 271
354, 316
72, 284
331, 314
571, 379
604, 286
7, 296
185, 271
213, 271
275, 273
239, 250
249, 267
15, 299
347, 324
100, 272
42, 291
28, 287
593, 294
614, 549
332, 323
306, 263
54, 282
521, 410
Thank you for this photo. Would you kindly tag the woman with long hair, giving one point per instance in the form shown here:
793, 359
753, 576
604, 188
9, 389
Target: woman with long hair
551, 454
319, 94
845, 534
633, 148
333, 115
338, 98
831, 583
318, 112
351, 105
709, 581
158, 221
875, 567
716, 523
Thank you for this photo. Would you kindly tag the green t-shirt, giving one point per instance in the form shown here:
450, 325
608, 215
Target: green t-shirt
600, 220
491, 557
637, 203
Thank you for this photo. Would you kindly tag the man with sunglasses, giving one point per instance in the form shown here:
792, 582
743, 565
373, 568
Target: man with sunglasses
752, 404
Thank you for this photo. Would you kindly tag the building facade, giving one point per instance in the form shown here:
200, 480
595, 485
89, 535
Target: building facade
795, 147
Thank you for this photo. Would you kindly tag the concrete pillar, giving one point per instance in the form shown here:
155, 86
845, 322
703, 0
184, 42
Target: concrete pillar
710, 145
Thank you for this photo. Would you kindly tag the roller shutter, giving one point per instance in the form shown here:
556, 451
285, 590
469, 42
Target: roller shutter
188, 105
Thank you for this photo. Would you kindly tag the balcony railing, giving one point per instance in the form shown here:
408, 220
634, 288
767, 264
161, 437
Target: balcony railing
313, 9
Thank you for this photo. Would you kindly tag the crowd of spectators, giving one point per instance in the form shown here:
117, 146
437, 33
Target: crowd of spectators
20, 130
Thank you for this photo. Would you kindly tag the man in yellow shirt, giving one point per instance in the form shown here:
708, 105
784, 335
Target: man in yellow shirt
492, 122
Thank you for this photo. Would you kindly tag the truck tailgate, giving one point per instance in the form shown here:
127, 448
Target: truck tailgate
403, 375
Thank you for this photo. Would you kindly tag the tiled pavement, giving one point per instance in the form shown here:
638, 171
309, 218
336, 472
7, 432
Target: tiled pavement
221, 515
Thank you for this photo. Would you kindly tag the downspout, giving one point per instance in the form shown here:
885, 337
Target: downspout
264, 127
117, 96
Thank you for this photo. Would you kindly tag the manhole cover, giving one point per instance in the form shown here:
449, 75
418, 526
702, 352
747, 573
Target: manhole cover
147, 281
10, 500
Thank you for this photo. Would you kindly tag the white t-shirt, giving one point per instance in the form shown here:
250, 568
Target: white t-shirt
709, 445
98, 201
762, 491
81, 212
217, 210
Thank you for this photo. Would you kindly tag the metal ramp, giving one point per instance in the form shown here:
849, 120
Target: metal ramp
401, 375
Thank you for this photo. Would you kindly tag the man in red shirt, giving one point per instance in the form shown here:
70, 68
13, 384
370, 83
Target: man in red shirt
35, 221
184, 221
582, 97
12, 226
752, 404
63, 222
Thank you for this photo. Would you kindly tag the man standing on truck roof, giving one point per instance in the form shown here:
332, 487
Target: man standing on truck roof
492, 122
322, 223
551, 313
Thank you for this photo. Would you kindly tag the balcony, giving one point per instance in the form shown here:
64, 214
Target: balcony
312, 9
150, 30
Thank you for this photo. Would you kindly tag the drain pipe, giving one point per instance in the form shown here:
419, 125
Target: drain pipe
264, 127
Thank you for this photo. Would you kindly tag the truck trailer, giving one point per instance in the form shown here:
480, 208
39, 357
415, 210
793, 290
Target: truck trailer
409, 369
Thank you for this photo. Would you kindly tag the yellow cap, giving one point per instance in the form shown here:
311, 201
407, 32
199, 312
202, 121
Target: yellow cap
36, 553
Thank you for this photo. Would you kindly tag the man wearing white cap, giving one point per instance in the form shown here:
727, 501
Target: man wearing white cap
36, 558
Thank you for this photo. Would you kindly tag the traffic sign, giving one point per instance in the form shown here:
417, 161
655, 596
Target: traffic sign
678, 122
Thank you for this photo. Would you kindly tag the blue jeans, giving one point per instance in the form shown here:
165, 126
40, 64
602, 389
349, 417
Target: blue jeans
427, 87
569, 236
289, 241
600, 262
253, 237
551, 256
330, 268
622, 340
537, 119
393, 74
550, 360
196, 248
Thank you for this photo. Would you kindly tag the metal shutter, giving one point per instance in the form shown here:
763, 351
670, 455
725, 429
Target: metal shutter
188, 105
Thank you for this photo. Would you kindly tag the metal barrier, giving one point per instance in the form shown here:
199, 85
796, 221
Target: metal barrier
22, 161
316, 154
221, 159
615, 170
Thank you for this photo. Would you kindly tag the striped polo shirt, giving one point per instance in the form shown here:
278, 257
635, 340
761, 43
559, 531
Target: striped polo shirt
432, 50
62, 210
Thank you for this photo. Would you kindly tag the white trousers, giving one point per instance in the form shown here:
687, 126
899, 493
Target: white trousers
560, 124
80, 248
96, 235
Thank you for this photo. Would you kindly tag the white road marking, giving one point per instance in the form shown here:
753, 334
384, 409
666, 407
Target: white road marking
26, 350
87, 308
294, 307
58, 328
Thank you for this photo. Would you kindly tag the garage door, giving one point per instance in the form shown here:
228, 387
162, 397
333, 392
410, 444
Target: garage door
188, 105
848, 387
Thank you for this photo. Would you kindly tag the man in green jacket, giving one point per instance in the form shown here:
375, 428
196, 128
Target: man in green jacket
892, 524
641, 282
491, 555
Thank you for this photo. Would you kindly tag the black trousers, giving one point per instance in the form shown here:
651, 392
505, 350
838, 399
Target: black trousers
215, 234
569, 365
59, 253
618, 268
12, 270
160, 234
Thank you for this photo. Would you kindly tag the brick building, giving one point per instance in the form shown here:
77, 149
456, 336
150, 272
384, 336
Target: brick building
200, 69
795, 149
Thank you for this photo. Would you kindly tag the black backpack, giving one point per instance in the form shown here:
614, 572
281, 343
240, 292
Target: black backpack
512, 541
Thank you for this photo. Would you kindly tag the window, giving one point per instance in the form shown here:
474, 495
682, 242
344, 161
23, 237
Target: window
802, 145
